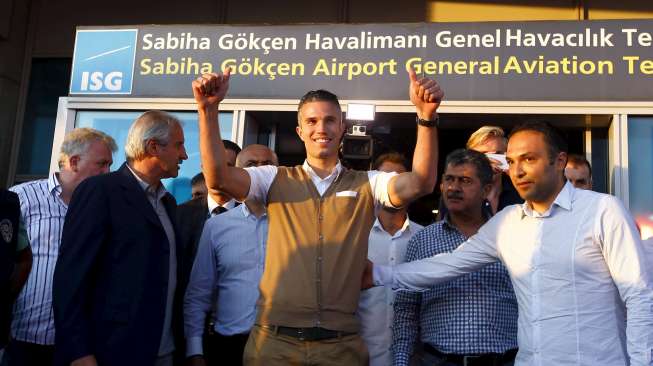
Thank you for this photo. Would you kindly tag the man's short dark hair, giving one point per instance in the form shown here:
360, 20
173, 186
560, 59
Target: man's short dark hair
480, 162
553, 138
319, 95
197, 179
393, 157
230, 145
578, 160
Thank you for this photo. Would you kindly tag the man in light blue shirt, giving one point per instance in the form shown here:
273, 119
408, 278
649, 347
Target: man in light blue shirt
574, 256
226, 274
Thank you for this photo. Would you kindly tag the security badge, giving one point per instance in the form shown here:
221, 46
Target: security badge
7, 230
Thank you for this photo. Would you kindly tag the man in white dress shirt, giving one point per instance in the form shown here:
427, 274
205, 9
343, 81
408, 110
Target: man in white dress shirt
574, 256
387, 245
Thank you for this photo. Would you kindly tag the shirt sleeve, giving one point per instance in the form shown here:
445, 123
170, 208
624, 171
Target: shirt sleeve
477, 252
405, 327
23, 242
199, 293
22, 237
379, 182
261, 178
625, 256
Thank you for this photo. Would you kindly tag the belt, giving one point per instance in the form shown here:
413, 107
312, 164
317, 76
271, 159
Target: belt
485, 359
307, 334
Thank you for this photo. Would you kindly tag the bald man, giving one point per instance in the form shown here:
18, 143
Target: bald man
226, 274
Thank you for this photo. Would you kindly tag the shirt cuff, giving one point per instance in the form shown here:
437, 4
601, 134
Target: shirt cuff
401, 359
382, 275
194, 346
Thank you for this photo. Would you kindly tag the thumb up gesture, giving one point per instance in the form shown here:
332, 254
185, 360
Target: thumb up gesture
425, 94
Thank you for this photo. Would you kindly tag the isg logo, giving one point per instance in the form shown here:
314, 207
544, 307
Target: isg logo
103, 62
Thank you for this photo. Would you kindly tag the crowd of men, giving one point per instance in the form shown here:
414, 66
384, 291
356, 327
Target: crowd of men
318, 264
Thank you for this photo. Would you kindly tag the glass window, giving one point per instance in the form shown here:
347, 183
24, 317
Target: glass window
116, 124
640, 172
49, 80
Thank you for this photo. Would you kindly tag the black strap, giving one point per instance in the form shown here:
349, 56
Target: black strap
485, 359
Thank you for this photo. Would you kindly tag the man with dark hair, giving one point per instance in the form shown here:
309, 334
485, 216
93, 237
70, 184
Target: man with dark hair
574, 256
192, 215
320, 216
225, 276
579, 171
387, 244
393, 157
474, 316
218, 200
198, 189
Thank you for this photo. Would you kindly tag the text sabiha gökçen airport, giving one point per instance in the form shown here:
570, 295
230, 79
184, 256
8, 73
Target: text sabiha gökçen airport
367, 40
258, 62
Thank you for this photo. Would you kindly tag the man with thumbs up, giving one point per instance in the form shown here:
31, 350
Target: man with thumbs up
320, 216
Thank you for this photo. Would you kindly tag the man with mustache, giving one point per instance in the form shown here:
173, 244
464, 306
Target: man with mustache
473, 319
574, 256
320, 215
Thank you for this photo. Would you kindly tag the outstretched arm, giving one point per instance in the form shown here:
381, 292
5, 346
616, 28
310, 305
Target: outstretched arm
209, 90
404, 188
625, 258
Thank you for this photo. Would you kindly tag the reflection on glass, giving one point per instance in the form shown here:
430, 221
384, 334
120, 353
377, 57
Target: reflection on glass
117, 123
640, 172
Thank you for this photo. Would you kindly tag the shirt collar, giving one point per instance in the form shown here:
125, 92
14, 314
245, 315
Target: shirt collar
446, 222
308, 169
212, 204
53, 184
157, 191
563, 200
377, 225
247, 213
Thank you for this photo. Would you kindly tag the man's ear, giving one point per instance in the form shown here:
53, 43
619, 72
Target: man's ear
151, 148
73, 162
298, 129
343, 127
486, 190
561, 160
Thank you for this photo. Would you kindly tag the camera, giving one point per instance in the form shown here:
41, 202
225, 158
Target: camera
358, 130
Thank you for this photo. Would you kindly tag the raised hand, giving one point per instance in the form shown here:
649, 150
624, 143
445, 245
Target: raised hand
210, 89
425, 94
